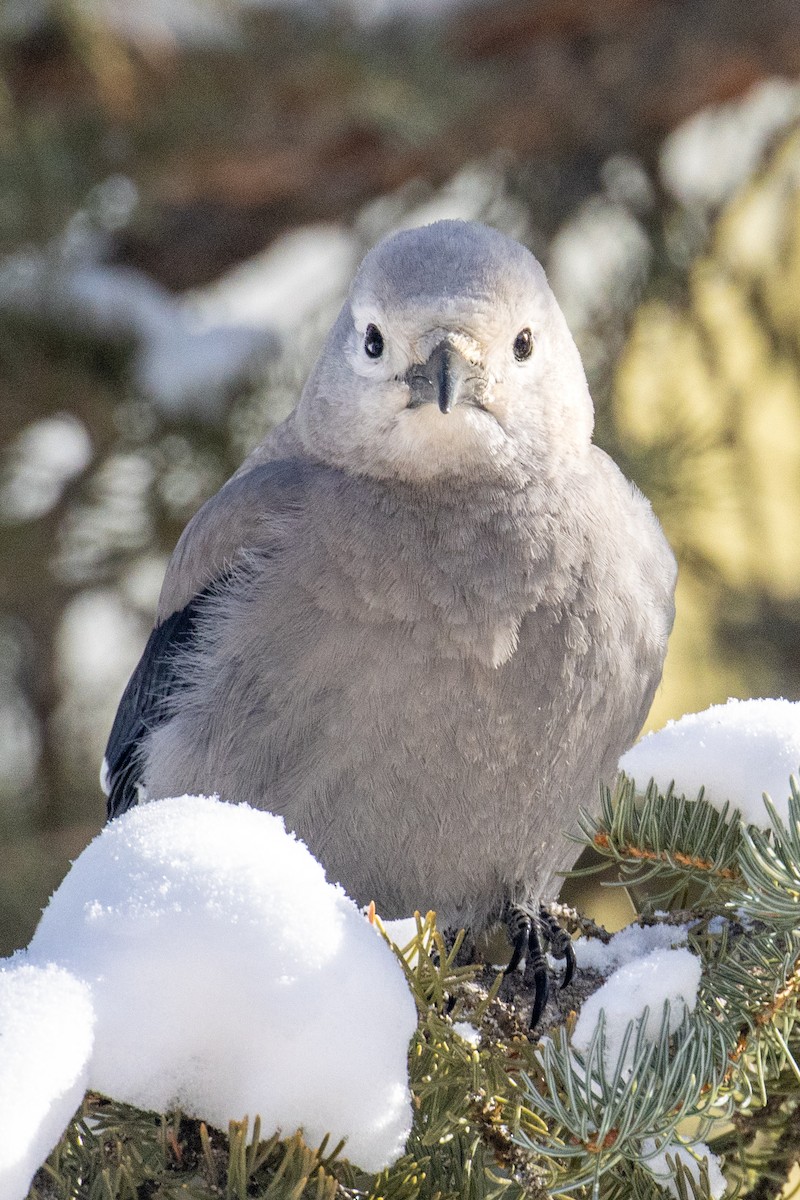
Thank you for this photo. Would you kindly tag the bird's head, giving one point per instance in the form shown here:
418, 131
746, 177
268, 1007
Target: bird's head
450, 359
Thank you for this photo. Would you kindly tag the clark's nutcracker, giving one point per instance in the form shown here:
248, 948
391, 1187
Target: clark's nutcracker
426, 617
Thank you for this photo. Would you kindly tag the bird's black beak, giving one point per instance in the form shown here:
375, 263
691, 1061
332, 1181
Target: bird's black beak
443, 378
443, 365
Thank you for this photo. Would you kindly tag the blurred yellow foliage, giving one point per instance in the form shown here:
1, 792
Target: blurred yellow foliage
713, 380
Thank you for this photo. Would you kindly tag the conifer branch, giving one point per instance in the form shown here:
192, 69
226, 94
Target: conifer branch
664, 837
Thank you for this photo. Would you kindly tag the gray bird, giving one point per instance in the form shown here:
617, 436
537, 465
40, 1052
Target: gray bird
427, 615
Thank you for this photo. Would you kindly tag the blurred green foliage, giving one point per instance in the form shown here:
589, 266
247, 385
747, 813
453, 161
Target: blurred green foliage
706, 400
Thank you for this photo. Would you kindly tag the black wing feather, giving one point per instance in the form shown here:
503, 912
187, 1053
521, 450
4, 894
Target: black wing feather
147, 701
229, 523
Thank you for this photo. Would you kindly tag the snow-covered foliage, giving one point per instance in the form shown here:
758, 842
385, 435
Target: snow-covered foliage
735, 751
196, 957
192, 350
186, 355
712, 153
638, 992
689, 1157
203, 961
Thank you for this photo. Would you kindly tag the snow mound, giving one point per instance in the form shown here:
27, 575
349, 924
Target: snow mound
225, 975
629, 944
671, 976
736, 751
46, 1022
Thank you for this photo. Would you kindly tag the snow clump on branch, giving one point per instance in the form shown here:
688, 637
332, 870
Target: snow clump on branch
198, 957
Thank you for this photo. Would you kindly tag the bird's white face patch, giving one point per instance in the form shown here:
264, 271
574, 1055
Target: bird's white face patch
420, 442
483, 335
503, 397
424, 442
398, 345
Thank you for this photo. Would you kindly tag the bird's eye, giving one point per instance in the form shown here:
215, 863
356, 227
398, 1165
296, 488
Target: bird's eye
523, 345
373, 342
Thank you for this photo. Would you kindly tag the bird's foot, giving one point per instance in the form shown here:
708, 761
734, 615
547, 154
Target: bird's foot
560, 943
529, 936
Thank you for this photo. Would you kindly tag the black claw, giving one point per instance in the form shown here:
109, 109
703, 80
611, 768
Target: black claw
542, 990
518, 924
540, 979
560, 943
516, 956
529, 935
569, 970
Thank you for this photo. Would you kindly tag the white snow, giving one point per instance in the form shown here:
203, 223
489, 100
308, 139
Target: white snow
46, 1022
468, 1033
630, 943
98, 644
401, 931
596, 260
709, 156
183, 363
736, 751
225, 976
661, 976
475, 193
191, 351
184, 368
42, 460
283, 286
690, 1156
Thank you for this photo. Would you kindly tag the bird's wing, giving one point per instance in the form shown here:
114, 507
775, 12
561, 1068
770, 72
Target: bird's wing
246, 514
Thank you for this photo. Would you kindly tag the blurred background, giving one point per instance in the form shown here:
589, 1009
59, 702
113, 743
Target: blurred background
186, 187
